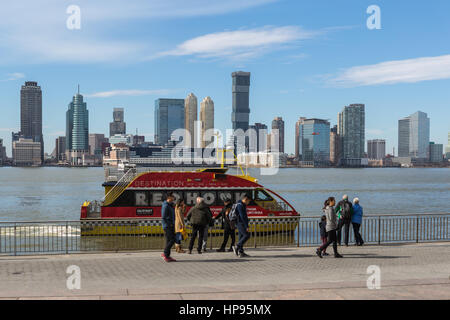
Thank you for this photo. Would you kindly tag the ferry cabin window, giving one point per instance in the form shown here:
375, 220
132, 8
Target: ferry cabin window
155, 198
262, 195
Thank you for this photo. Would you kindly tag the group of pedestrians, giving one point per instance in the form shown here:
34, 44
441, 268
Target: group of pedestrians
337, 217
233, 216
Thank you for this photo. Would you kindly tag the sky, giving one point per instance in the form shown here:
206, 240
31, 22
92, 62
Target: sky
306, 58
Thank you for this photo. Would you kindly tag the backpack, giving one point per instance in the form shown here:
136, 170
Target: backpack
346, 210
233, 215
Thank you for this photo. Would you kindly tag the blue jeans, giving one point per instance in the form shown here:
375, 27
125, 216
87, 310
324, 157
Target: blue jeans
243, 237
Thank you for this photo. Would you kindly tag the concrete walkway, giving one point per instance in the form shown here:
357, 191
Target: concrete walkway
407, 272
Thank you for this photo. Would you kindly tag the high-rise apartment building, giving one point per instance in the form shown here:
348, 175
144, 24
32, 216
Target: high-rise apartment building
297, 137
118, 126
60, 146
335, 146
2, 153
414, 136
77, 130
260, 139
351, 129
376, 149
31, 113
278, 134
314, 135
190, 118
169, 116
435, 152
207, 121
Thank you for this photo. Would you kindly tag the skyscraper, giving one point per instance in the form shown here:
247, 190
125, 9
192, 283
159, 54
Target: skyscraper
376, 149
435, 152
60, 146
314, 135
207, 120
447, 148
2, 153
118, 126
335, 146
414, 136
297, 137
77, 129
31, 113
278, 133
241, 102
169, 116
190, 117
261, 143
351, 129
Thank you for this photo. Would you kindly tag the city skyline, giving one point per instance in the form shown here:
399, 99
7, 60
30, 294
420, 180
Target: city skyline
298, 63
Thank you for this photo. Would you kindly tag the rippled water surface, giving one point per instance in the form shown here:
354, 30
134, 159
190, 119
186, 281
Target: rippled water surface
57, 193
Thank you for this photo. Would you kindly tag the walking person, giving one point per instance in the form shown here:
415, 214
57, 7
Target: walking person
168, 224
331, 226
199, 216
323, 233
228, 229
180, 210
357, 221
205, 233
242, 226
344, 209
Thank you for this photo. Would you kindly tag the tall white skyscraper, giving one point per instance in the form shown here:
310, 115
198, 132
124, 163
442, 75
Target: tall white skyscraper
190, 117
414, 135
207, 119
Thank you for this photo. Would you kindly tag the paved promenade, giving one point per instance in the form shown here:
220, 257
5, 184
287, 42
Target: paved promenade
407, 272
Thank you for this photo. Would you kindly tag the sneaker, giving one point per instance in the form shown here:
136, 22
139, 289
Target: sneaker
171, 259
163, 256
319, 253
204, 250
231, 249
235, 250
337, 255
325, 254
220, 250
243, 255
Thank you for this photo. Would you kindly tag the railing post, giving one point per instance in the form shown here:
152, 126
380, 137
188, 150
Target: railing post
417, 229
298, 232
254, 233
379, 230
67, 237
15, 240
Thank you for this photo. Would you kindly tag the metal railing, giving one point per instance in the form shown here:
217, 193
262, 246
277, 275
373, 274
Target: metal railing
19, 238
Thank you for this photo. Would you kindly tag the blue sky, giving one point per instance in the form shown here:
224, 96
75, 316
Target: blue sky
307, 58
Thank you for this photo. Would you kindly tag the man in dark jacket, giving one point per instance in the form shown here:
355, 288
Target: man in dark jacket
168, 224
344, 209
242, 226
228, 230
199, 216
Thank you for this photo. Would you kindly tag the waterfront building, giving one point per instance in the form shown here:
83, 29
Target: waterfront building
77, 130
121, 139
351, 129
335, 146
138, 140
31, 113
118, 126
314, 135
190, 119
376, 149
435, 152
278, 133
169, 116
207, 120
414, 136
297, 138
261, 137
447, 148
26, 152
60, 149
96, 141
240, 106
2, 153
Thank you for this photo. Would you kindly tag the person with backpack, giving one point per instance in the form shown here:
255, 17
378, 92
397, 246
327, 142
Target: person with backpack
344, 210
331, 226
168, 224
199, 216
239, 216
357, 221
228, 230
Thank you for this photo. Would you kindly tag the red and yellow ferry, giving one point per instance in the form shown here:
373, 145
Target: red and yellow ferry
138, 197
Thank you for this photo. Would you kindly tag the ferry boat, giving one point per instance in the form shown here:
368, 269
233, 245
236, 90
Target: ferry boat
137, 197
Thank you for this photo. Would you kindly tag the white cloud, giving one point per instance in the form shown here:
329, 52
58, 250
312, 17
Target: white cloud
130, 92
35, 31
14, 76
240, 44
391, 72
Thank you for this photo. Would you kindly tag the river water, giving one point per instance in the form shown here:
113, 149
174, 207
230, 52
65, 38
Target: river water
47, 193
